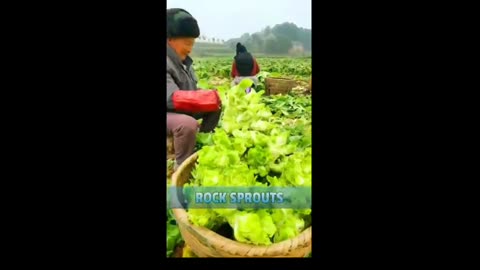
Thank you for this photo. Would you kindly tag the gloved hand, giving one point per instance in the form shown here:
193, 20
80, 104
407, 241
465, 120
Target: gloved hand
198, 101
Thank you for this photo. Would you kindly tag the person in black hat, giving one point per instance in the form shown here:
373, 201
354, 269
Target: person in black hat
244, 66
239, 48
185, 102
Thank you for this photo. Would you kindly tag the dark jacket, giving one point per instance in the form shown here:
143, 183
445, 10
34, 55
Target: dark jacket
180, 75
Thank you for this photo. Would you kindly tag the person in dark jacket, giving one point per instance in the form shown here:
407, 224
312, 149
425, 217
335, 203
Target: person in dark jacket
185, 102
244, 66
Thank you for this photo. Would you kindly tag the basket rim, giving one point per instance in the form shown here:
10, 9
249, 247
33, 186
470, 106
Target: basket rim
279, 79
181, 216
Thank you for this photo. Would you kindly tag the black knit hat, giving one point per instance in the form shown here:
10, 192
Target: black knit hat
180, 23
241, 48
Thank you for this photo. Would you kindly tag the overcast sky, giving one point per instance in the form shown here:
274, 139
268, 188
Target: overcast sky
227, 19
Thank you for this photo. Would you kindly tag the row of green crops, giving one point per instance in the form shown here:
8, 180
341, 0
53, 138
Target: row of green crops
297, 68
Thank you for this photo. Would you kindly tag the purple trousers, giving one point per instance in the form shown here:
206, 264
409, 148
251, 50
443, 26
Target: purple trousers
184, 130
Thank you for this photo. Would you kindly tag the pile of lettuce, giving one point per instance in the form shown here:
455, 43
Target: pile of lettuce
254, 147
174, 238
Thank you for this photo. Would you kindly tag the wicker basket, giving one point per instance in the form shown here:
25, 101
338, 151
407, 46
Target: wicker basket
207, 243
276, 86
170, 147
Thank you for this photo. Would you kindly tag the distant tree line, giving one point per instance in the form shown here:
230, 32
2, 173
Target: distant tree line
281, 39
210, 39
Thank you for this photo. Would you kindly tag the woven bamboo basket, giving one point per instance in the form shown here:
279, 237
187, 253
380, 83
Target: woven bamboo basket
170, 154
170, 147
275, 86
207, 243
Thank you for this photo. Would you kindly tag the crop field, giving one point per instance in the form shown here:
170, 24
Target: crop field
261, 140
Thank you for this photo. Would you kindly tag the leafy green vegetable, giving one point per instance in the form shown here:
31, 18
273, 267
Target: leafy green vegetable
260, 141
173, 234
256, 228
288, 222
